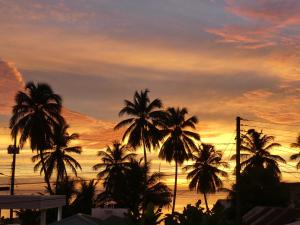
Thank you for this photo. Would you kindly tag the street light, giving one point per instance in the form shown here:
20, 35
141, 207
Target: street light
14, 150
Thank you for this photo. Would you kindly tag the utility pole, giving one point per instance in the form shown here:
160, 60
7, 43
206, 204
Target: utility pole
14, 150
238, 170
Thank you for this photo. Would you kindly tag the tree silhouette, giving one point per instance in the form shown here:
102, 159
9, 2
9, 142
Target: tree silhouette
297, 155
256, 146
59, 159
112, 169
85, 197
35, 114
205, 173
141, 131
179, 139
144, 188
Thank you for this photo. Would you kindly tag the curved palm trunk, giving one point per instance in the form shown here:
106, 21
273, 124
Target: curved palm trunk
47, 180
206, 204
175, 187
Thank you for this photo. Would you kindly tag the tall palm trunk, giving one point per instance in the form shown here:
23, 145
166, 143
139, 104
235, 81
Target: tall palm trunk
206, 204
175, 187
47, 180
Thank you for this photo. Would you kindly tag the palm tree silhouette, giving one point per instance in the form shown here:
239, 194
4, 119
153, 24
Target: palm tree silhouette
144, 188
35, 114
297, 155
180, 140
112, 168
85, 197
59, 158
68, 188
257, 146
204, 173
141, 131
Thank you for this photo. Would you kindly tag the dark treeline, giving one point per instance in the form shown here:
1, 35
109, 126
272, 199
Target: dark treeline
128, 180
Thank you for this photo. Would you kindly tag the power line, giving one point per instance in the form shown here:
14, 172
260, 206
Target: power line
273, 123
268, 128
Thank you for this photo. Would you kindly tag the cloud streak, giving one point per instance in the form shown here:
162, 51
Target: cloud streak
265, 23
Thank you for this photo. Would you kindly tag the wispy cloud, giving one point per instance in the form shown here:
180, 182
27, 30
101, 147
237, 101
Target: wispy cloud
42, 11
254, 37
279, 12
262, 23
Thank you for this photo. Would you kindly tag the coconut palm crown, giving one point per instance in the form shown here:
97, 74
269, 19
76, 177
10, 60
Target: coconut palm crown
256, 154
179, 140
297, 155
142, 112
59, 158
35, 115
204, 173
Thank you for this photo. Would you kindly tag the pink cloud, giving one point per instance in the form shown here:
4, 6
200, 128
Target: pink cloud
273, 16
11, 81
281, 12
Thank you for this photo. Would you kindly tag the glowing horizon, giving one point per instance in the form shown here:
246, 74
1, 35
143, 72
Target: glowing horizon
218, 58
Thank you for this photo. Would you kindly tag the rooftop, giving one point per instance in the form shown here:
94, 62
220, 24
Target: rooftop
31, 201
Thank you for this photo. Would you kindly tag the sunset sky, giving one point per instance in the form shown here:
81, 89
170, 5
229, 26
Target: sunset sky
218, 58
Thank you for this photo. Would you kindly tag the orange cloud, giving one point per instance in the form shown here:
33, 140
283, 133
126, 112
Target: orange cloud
245, 36
94, 133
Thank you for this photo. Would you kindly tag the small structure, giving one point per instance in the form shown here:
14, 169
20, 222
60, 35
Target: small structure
109, 210
40, 202
104, 213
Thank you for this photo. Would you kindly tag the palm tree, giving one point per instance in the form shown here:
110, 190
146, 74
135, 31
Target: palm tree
35, 114
204, 173
179, 141
112, 168
59, 158
141, 131
67, 187
85, 197
257, 146
144, 188
297, 155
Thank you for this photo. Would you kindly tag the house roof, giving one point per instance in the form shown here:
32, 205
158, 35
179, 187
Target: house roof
294, 223
82, 219
271, 216
31, 201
